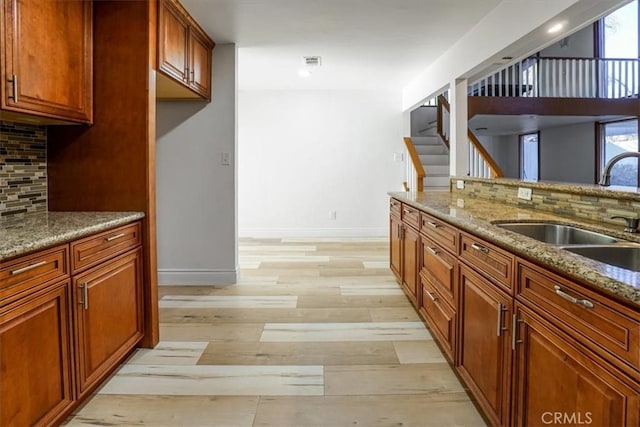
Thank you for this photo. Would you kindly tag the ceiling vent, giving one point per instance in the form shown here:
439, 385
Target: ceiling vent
312, 61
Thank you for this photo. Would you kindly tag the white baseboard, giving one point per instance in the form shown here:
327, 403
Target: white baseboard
313, 232
197, 277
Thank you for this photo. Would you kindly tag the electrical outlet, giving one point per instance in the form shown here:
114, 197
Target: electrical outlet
524, 193
332, 215
460, 184
460, 203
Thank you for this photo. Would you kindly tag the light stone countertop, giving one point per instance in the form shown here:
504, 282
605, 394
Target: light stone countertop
475, 215
21, 234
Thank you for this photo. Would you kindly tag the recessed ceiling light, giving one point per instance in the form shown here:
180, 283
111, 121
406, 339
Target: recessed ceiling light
303, 72
555, 28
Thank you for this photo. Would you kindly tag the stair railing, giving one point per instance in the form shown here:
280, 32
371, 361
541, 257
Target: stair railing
415, 170
481, 164
557, 77
444, 119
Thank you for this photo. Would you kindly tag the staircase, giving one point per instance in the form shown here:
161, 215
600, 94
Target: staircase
433, 153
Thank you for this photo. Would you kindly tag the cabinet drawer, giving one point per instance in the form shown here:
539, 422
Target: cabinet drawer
440, 267
19, 275
411, 216
439, 231
395, 207
489, 260
97, 248
440, 316
602, 324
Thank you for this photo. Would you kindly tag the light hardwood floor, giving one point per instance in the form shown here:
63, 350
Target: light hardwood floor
316, 333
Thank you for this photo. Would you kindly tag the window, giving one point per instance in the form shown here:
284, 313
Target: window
618, 137
618, 42
529, 157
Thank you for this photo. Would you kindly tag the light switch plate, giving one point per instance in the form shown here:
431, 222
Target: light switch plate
524, 193
460, 184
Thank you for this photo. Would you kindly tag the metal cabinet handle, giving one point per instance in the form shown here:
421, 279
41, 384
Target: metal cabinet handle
433, 224
29, 267
85, 295
514, 331
482, 249
433, 298
499, 327
433, 250
112, 238
186, 75
193, 77
582, 302
14, 83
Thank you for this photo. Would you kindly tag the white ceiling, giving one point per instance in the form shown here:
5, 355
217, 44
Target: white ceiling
363, 43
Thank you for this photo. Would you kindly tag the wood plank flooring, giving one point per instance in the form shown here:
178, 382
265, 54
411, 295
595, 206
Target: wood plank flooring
316, 333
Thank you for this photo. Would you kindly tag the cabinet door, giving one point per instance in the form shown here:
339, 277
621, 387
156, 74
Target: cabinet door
395, 256
48, 49
108, 316
199, 64
557, 381
410, 262
173, 32
35, 356
484, 343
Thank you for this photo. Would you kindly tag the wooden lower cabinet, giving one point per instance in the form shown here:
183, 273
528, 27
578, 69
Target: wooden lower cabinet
395, 254
484, 343
107, 316
558, 381
410, 262
36, 358
440, 317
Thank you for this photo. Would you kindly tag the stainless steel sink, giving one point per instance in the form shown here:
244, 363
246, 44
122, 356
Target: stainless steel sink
557, 234
621, 256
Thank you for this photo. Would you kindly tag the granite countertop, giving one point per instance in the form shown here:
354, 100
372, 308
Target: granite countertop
476, 216
20, 234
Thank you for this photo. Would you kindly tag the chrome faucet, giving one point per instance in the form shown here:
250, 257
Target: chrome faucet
605, 179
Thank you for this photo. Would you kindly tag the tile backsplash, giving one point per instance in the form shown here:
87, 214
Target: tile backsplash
590, 202
23, 168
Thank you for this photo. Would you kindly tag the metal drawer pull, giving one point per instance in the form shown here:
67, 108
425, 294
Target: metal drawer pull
14, 83
434, 299
477, 247
582, 302
433, 224
85, 296
514, 331
408, 211
29, 267
433, 250
117, 236
499, 327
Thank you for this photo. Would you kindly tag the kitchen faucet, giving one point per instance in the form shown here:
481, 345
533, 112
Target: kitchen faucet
605, 179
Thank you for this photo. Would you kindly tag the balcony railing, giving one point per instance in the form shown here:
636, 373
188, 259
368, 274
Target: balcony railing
562, 78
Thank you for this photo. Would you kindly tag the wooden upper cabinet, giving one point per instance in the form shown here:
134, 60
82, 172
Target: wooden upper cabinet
172, 41
47, 60
184, 55
199, 64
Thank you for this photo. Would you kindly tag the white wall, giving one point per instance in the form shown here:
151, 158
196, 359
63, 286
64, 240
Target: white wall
196, 194
303, 154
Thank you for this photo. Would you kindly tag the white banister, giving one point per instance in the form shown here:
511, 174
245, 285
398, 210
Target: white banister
562, 77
